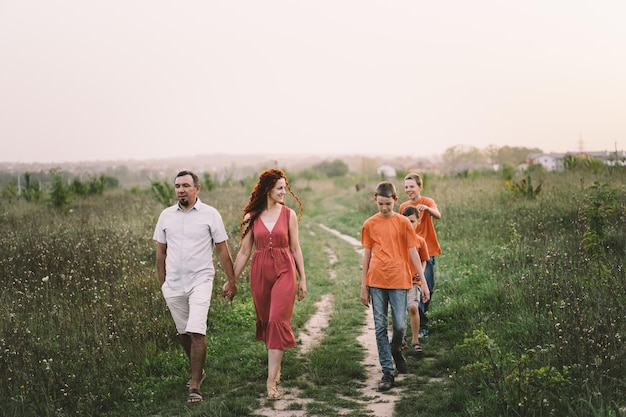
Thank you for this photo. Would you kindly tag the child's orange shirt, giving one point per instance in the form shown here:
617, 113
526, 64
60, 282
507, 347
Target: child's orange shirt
389, 239
425, 228
422, 251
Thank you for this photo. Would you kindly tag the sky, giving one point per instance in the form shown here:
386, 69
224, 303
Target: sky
143, 79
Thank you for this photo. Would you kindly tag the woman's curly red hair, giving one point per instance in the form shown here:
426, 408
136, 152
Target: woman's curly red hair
258, 198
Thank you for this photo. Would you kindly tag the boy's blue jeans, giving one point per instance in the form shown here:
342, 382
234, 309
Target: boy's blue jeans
382, 298
429, 274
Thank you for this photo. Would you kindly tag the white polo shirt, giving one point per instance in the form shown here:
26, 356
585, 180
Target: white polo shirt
189, 237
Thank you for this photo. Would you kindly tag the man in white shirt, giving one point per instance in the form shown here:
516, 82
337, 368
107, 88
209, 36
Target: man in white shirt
186, 234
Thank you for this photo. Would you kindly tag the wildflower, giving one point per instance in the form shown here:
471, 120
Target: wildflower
45, 279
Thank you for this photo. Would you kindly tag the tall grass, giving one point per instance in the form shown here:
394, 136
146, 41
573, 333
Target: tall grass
81, 313
543, 305
527, 315
78, 294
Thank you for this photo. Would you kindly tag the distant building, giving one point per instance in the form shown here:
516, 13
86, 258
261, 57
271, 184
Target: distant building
615, 158
386, 171
555, 161
549, 161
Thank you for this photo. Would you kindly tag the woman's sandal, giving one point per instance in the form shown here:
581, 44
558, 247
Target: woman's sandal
194, 396
273, 393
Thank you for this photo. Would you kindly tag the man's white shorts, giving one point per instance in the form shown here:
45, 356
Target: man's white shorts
189, 309
414, 296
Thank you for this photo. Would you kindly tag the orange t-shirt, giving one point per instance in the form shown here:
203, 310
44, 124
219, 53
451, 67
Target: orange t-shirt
425, 228
389, 239
422, 251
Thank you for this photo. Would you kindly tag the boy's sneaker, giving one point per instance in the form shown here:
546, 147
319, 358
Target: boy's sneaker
401, 364
422, 333
386, 382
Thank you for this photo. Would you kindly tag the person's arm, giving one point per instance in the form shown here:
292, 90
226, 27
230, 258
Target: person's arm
226, 260
161, 253
296, 251
417, 262
229, 289
365, 294
432, 210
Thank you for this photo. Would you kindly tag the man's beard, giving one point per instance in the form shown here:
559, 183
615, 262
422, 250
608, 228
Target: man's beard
183, 202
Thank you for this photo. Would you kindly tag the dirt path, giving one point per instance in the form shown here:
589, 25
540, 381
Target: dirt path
379, 404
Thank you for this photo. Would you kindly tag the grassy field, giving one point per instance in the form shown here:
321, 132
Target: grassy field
527, 315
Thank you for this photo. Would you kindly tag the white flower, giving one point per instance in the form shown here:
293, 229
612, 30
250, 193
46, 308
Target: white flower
45, 279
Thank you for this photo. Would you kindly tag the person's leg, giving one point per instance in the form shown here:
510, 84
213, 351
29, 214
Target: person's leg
282, 295
430, 277
274, 359
279, 335
178, 305
197, 356
412, 302
185, 342
414, 318
398, 301
199, 303
429, 274
413, 299
380, 307
380, 310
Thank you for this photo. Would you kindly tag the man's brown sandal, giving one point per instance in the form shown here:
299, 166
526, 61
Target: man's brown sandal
194, 396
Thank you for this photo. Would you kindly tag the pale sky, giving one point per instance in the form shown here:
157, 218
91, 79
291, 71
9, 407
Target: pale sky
88, 80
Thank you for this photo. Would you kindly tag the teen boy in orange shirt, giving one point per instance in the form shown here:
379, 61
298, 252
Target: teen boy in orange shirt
390, 244
413, 186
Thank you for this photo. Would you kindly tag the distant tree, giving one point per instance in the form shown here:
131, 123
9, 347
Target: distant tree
513, 155
571, 162
97, 185
209, 182
163, 192
308, 174
111, 182
59, 193
9, 191
79, 188
32, 190
594, 165
463, 158
506, 172
335, 168
491, 152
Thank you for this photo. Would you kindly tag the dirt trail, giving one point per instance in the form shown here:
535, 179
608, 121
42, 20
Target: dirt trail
379, 404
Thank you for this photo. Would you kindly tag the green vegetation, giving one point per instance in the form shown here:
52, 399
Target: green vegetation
527, 316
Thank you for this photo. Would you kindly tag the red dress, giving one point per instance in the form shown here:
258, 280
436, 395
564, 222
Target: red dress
273, 282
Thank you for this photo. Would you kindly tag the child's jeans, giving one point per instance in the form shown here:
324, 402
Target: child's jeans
429, 274
382, 298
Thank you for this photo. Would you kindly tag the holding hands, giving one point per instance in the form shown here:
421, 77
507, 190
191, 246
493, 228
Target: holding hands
229, 290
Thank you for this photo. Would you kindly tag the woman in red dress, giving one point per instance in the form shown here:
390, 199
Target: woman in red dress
272, 229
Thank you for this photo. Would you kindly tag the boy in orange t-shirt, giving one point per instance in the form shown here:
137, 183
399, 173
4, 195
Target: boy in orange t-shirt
390, 246
427, 207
